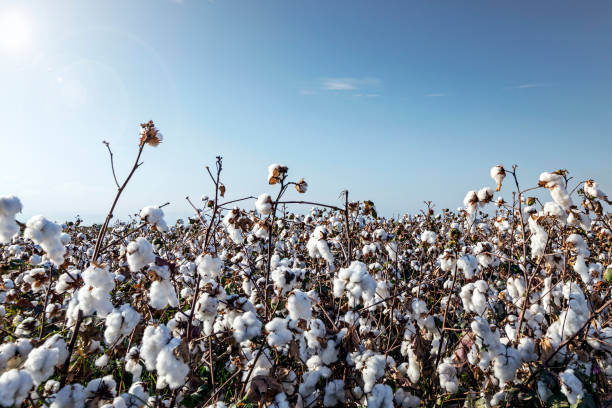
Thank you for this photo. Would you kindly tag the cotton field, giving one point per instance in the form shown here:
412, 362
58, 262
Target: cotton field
274, 303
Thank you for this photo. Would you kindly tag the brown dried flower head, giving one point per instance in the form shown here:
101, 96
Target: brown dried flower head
301, 186
149, 134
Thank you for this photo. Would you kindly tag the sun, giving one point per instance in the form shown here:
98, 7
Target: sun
14, 31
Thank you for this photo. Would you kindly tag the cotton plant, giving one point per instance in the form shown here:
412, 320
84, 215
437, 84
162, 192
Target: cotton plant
10, 206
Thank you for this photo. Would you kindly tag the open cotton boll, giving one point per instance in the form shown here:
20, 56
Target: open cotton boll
71, 396
578, 245
468, 264
580, 267
263, 205
334, 393
356, 282
505, 365
41, 361
155, 217
276, 173
153, 340
209, 267
498, 173
94, 295
9, 207
539, 237
139, 254
229, 221
381, 397
46, 234
318, 248
404, 399
372, 367
278, 334
591, 188
286, 279
428, 237
171, 370
299, 306
485, 195
132, 364
246, 326
101, 361
448, 375
15, 386
136, 397
162, 294
470, 201
106, 383
554, 210
120, 323
571, 386
556, 184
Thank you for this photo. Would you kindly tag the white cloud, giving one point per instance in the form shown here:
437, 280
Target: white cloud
350, 84
530, 85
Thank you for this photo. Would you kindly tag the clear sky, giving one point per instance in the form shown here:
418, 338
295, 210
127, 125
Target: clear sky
397, 101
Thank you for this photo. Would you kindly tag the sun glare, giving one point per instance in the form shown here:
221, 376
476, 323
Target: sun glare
14, 31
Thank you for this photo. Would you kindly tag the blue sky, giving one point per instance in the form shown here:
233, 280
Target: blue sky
398, 101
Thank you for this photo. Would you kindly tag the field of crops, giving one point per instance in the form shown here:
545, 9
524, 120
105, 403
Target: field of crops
268, 302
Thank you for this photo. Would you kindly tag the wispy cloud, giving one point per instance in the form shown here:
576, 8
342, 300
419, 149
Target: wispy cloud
530, 85
435, 95
349, 84
369, 95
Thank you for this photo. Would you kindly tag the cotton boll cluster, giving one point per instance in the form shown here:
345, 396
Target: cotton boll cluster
448, 375
571, 386
155, 217
263, 205
46, 234
139, 254
428, 237
276, 173
556, 184
15, 386
318, 247
43, 360
9, 207
356, 283
161, 293
246, 326
120, 323
468, 265
158, 352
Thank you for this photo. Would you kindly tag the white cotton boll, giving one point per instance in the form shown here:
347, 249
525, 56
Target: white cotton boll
498, 173
171, 371
120, 323
580, 267
246, 326
505, 365
101, 361
9, 207
15, 385
448, 375
318, 247
41, 361
276, 172
428, 237
556, 184
391, 249
468, 264
578, 245
278, 334
552, 209
71, 396
539, 238
414, 366
46, 234
139, 254
334, 393
299, 306
41, 364
162, 294
372, 369
471, 201
571, 386
94, 295
498, 398
153, 340
526, 349
209, 267
263, 205
485, 195
543, 391
106, 382
132, 365
356, 282
381, 397
404, 399
155, 217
